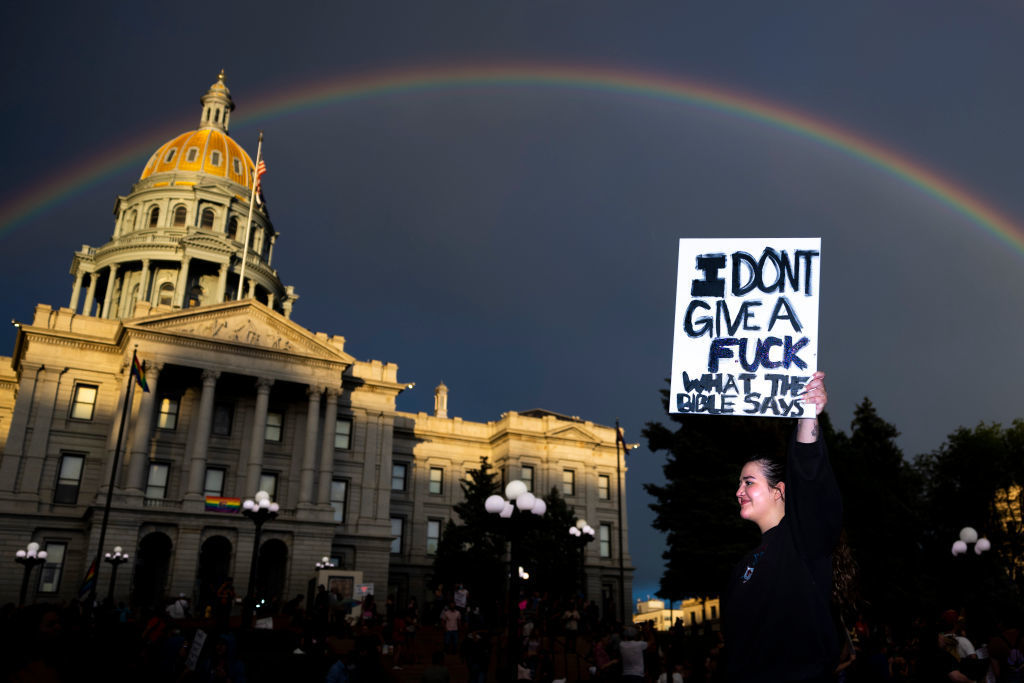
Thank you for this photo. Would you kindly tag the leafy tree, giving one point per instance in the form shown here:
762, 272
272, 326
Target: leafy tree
472, 553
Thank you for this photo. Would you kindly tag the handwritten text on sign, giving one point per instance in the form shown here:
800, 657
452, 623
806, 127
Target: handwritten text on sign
746, 331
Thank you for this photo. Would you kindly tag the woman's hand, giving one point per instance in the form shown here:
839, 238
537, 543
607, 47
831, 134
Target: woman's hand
814, 394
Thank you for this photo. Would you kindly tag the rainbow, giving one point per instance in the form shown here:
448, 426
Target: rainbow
34, 201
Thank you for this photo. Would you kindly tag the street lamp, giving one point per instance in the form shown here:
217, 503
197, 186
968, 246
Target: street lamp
325, 563
115, 560
28, 558
582, 534
620, 441
969, 536
260, 511
518, 502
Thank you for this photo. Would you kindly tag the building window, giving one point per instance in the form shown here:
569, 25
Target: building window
168, 417
605, 540
397, 525
268, 483
214, 485
339, 496
193, 152
180, 214
233, 228
275, 422
49, 579
154, 216
166, 295
69, 478
398, 473
604, 487
237, 165
436, 485
223, 413
83, 403
343, 433
714, 611
568, 483
170, 155
207, 219
526, 476
433, 535
215, 158
156, 485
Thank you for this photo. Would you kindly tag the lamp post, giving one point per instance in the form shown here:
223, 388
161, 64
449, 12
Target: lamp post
517, 503
260, 511
28, 558
582, 534
325, 563
115, 559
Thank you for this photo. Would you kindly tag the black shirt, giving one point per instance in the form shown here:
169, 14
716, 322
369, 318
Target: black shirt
777, 616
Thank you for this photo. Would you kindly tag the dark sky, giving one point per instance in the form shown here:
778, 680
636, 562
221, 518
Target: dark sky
519, 243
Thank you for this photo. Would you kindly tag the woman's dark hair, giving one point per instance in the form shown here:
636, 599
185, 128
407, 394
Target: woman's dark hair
773, 469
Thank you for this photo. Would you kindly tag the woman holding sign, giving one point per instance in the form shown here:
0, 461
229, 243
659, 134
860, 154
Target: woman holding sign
777, 617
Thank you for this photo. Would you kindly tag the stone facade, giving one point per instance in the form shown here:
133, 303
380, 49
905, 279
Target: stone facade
241, 399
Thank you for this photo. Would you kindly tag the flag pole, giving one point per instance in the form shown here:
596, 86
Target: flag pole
618, 497
248, 221
113, 478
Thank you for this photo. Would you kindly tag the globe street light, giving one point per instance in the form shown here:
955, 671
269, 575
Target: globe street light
325, 563
582, 534
516, 505
260, 511
969, 536
28, 558
115, 559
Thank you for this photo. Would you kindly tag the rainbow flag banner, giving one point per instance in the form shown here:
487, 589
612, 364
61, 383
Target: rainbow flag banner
218, 504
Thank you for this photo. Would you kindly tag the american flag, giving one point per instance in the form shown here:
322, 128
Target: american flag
261, 168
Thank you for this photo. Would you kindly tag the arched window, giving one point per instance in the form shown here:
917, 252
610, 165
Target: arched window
166, 297
216, 116
179, 216
207, 222
154, 216
233, 228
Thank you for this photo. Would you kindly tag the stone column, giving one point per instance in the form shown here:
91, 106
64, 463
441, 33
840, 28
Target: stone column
115, 427
110, 291
309, 452
47, 383
142, 429
222, 282
90, 295
197, 465
10, 462
76, 292
144, 282
259, 434
180, 295
327, 447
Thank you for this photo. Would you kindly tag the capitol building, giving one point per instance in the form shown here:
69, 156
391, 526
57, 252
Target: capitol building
242, 399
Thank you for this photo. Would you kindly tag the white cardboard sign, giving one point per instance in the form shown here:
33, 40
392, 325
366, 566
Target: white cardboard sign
746, 328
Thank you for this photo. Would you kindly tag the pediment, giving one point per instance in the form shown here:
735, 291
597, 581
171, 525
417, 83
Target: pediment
574, 433
243, 323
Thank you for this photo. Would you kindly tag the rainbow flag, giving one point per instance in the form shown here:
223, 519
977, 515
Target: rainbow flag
139, 372
88, 583
219, 504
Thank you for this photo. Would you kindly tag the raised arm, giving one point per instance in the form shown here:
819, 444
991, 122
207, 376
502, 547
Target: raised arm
807, 430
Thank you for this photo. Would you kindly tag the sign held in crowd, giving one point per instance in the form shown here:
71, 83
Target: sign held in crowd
746, 327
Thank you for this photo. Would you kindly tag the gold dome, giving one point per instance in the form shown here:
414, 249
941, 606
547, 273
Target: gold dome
207, 150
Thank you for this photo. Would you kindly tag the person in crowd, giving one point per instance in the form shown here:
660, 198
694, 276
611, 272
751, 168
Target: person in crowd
451, 619
777, 617
631, 650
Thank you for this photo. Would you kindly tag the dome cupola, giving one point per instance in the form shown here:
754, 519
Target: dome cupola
217, 106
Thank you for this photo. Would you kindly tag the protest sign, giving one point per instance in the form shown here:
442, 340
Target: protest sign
746, 328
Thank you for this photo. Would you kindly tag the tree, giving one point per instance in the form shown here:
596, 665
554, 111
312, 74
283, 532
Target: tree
472, 553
